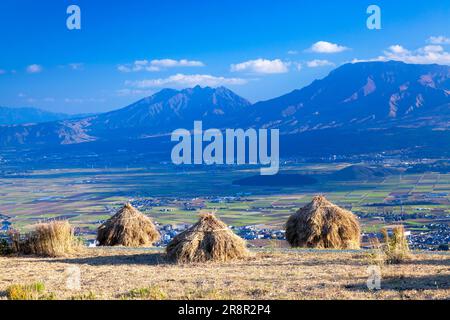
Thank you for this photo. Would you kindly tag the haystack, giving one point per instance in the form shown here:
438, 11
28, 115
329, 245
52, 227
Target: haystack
208, 240
322, 224
129, 228
52, 239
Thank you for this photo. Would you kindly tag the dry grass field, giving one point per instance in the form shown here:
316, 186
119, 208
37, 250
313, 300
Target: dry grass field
273, 274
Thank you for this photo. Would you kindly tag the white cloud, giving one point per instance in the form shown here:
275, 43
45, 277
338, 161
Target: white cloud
428, 54
425, 55
439, 40
169, 63
157, 65
123, 68
34, 68
431, 48
83, 100
134, 92
182, 80
76, 66
319, 63
262, 66
292, 52
73, 100
380, 58
327, 47
397, 49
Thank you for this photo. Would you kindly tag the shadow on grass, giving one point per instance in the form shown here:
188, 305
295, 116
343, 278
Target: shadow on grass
148, 259
430, 262
431, 282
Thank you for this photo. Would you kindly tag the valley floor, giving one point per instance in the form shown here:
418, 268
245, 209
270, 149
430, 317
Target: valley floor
273, 274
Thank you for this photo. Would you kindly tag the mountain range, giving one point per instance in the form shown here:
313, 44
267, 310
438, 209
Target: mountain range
14, 116
363, 95
367, 106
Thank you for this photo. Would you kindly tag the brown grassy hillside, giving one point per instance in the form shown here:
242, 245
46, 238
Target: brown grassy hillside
276, 274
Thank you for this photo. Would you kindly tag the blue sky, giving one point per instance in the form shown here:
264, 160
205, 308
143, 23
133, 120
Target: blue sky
126, 50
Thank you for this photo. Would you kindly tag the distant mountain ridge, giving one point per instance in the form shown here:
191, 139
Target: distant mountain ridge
361, 95
14, 116
373, 106
363, 173
158, 114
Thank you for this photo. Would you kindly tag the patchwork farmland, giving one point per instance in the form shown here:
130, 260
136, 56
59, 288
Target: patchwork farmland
86, 197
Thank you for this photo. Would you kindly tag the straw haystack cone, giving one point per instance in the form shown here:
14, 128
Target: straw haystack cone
322, 224
129, 228
208, 240
52, 239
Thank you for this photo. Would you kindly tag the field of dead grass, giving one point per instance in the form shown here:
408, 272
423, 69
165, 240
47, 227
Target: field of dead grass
272, 274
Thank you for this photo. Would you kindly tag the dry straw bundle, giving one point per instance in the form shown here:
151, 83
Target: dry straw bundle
322, 224
129, 228
53, 239
396, 248
208, 240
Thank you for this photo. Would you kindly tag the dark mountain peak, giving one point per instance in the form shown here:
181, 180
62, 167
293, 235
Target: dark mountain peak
196, 90
169, 109
224, 91
160, 95
208, 97
167, 94
207, 90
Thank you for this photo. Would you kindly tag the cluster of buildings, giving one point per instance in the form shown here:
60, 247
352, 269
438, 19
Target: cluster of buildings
185, 204
5, 226
168, 232
437, 237
390, 216
255, 233
149, 202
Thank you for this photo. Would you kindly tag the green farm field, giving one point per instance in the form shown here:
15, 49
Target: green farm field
88, 196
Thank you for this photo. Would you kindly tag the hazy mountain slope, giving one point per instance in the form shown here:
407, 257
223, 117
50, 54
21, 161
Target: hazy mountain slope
160, 113
12, 116
45, 134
